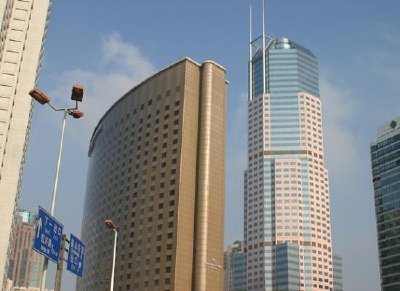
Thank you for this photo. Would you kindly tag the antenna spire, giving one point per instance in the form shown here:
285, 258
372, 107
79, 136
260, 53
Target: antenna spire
250, 57
263, 45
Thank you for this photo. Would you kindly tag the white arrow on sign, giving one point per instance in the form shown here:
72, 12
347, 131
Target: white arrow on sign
39, 226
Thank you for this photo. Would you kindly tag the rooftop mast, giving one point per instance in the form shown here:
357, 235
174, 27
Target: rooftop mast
250, 59
263, 45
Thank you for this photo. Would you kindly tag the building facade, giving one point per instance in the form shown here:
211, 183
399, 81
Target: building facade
26, 289
25, 265
156, 167
23, 27
337, 273
385, 159
235, 267
287, 226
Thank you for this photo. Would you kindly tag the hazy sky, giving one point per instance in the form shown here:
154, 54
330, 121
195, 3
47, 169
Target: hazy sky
109, 46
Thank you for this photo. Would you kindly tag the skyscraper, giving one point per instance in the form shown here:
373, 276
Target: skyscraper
156, 167
385, 158
25, 264
23, 27
235, 267
337, 273
287, 225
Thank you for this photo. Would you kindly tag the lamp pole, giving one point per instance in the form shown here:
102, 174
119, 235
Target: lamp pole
113, 263
60, 148
42, 98
53, 196
110, 224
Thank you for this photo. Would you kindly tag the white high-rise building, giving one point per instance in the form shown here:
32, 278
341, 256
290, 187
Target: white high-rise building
23, 28
287, 227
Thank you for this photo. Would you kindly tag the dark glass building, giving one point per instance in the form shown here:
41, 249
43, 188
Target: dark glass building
385, 158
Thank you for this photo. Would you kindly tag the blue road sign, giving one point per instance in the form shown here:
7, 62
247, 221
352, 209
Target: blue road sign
48, 235
76, 256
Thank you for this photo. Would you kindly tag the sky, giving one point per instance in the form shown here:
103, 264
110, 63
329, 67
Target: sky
110, 46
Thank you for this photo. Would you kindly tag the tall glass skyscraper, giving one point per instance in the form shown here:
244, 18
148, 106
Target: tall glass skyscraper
337, 273
287, 225
385, 158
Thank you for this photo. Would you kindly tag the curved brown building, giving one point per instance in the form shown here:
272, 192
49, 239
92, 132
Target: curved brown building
157, 161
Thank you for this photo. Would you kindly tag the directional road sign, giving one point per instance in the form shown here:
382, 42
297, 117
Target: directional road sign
48, 235
76, 256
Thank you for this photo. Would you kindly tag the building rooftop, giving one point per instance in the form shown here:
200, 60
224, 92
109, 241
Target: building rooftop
184, 59
387, 130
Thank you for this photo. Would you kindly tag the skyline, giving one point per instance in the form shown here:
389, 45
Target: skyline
100, 56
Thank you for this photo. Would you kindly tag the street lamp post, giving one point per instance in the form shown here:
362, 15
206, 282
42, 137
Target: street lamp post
111, 225
42, 98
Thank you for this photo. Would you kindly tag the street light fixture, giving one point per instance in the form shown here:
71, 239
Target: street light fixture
39, 96
42, 98
76, 113
77, 93
111, 225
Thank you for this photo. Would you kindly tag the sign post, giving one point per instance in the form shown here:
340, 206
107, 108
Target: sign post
57, 284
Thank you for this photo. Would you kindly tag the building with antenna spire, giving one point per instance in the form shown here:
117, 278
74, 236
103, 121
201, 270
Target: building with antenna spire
287, 228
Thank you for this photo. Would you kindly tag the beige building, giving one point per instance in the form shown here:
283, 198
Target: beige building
10, 288
23, 26
25, 265
157, 161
